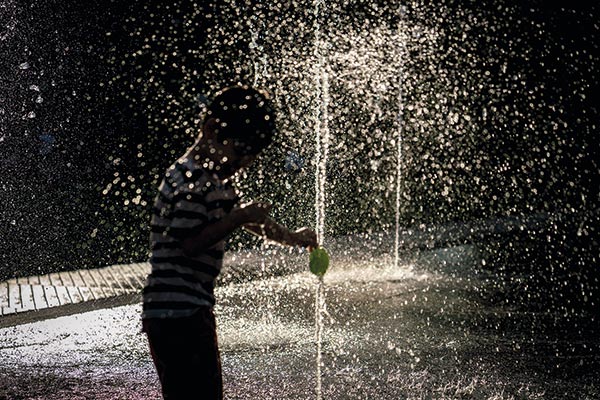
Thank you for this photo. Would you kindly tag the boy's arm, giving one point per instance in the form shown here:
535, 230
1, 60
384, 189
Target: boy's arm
271, 230
214, 232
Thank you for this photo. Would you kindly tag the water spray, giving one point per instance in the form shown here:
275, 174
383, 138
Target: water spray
400, 123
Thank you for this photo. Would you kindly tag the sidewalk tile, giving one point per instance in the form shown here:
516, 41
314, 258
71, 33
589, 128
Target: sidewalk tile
55, 279
45, 280
77, 279
3, 294
63, 295
51, 296
74, 294
27, 294
86, 293
27, 303
66, 279
8, 310
39, 297
14, 294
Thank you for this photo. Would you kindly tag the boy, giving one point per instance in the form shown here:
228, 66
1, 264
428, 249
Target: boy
195, 210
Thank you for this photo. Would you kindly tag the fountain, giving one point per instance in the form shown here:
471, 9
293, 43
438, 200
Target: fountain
322, 146
401, 54
446, 155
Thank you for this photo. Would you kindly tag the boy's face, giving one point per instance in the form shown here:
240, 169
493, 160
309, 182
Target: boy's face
221, 156
227, 161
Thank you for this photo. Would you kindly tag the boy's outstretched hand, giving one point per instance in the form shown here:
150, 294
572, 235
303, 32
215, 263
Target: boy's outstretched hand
254, 217
254, 212
305, 237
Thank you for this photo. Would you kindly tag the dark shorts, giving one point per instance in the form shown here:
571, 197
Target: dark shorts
186, 355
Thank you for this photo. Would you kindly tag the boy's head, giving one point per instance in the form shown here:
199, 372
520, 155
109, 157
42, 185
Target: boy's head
242, 116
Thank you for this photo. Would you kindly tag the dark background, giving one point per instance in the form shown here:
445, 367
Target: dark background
121, 86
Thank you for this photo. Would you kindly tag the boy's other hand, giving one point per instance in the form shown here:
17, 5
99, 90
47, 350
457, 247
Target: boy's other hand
305, 237
254, 212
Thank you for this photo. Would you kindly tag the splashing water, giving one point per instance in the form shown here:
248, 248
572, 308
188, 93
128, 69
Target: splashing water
400, 122
319, 307
260, 62
442, 113
322, 142
321, 181
321, 129
260, 67
322, 146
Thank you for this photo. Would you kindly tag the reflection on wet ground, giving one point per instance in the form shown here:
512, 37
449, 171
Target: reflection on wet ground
426, 330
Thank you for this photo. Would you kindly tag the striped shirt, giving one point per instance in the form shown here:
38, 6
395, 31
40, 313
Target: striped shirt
189, 198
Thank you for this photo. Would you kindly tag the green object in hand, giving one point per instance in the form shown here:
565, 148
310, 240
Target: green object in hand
319, 261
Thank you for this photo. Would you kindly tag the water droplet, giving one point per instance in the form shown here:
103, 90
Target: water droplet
24, 66
39, 99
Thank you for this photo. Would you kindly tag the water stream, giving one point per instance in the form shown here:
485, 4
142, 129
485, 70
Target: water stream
400, 123
322, 146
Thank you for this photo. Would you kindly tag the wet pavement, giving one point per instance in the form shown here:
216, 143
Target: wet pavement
42, 296
429, 329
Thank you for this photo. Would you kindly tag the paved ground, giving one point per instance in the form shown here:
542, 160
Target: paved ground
437, 327
44, 292
37, 297
42, 296
62, 288
419, 331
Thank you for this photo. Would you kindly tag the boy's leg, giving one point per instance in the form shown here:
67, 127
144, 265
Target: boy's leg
186, 355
